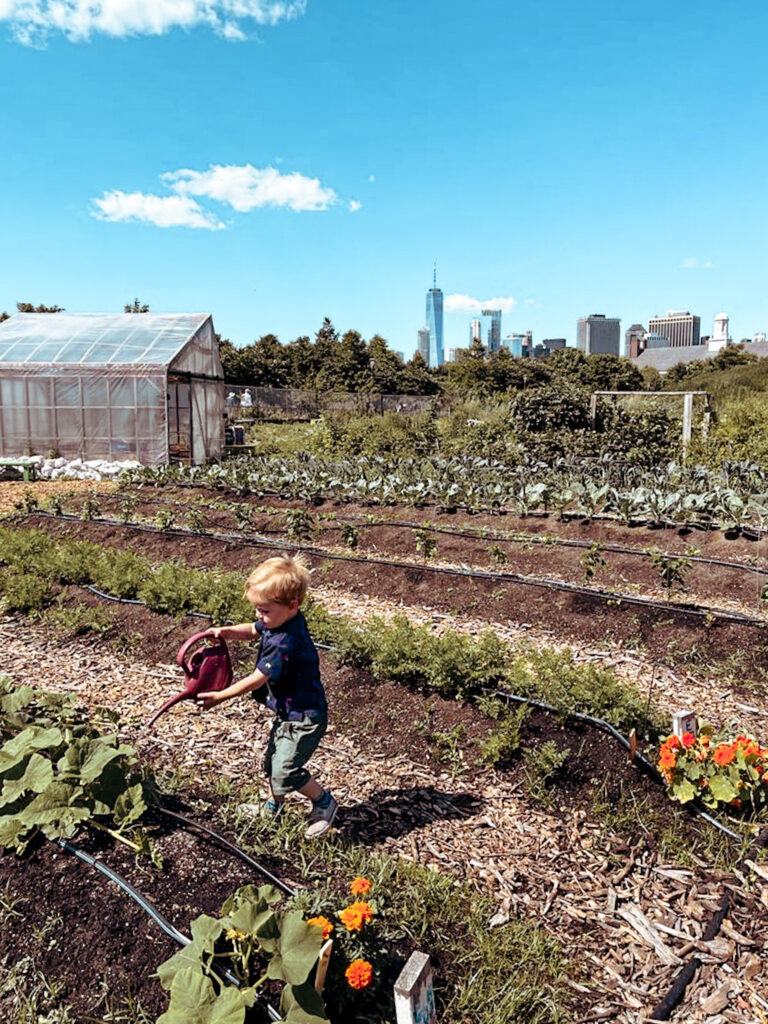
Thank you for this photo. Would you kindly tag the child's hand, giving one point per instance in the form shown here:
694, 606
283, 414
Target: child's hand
208, 700
214, 631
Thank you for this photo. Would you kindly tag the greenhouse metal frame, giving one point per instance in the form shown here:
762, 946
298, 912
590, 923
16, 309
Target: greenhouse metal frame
111, 386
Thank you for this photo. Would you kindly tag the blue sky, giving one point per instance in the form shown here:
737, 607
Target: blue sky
277, 162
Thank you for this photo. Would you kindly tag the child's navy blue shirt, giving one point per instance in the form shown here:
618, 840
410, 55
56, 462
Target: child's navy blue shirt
288, 656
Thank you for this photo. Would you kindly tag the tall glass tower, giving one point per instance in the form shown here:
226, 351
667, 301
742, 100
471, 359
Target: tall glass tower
435, 322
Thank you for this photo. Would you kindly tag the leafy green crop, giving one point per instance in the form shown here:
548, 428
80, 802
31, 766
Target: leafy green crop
255, 942
58, 771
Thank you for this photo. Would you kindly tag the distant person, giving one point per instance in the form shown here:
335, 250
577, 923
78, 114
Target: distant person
287, 680
246, 401
231, 400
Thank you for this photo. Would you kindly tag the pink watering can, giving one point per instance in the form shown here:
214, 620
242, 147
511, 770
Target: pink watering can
208, 668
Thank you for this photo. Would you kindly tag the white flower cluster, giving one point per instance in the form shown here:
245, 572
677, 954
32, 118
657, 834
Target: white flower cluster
77, 469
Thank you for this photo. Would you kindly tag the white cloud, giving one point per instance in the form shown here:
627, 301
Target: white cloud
163, 211
33, 21
354, 206
466, 304
693, 263
371, 177
245, 187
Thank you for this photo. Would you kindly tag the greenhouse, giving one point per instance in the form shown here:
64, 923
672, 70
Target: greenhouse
111, 386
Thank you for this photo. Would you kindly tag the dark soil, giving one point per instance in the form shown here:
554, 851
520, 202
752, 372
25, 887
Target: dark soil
663, 633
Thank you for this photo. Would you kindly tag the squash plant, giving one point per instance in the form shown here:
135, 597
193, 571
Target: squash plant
254, 943
58, 772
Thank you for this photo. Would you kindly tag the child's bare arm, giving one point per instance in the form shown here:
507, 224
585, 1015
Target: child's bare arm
211, 698
243, 631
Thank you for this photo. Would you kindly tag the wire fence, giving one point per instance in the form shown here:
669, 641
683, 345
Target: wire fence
295, 404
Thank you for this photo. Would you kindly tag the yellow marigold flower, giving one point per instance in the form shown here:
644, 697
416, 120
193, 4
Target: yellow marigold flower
324, 923
360, 886
356, 915
359, 974
235, 933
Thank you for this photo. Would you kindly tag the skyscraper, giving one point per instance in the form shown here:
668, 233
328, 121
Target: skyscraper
435, 322
424, 344
494, 329
476, 330
679, 327
597, 333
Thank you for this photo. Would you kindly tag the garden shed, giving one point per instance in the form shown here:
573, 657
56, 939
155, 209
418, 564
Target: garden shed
111, 386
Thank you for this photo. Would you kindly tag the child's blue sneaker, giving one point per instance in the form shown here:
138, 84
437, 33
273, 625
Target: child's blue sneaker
271, 808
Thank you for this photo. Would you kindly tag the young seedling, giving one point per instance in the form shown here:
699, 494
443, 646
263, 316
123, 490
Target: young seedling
426, 545
349, 535
672, 571
592, 561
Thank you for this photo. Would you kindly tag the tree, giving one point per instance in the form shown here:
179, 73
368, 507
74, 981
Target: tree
417, 378
28, 307
302, 363
386, 367
4, 316
136, 307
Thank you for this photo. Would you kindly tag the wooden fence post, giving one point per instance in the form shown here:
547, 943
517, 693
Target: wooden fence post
414, 994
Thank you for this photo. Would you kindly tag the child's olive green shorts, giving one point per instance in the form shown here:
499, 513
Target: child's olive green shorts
290, 746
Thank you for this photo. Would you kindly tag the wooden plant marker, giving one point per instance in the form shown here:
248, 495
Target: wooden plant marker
414, 993
323, 960
684, 721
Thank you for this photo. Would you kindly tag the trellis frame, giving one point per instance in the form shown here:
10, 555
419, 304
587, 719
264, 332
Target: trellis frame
687, 396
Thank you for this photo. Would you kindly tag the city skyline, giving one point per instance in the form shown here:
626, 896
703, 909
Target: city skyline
300, 177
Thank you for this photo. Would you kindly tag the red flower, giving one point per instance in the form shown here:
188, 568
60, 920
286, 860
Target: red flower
360, 886
688, 739
359, 974
324, 923
724, 754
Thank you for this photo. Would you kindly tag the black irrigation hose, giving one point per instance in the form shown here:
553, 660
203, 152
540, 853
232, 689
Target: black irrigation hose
544, 583
230, 847
150, 909
600, 723
664, 1009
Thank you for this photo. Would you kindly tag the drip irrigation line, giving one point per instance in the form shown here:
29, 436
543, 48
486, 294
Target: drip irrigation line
230, 847
675, 994
601, 724
149, 908
544, 583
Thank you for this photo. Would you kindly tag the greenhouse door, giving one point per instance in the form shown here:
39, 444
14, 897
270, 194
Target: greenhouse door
179, 420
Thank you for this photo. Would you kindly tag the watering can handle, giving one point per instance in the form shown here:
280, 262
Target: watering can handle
182, 655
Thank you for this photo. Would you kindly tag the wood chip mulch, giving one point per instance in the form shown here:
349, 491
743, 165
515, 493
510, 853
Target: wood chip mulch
627, 920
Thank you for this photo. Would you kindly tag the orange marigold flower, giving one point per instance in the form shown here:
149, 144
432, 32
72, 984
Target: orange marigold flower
704, 741
359, 974
360, 886
667, 759
736, 803
673, 742
324, 923
724, 754
356, 915
688, 739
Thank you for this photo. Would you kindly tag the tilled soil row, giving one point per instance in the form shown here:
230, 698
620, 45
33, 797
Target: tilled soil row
625, 917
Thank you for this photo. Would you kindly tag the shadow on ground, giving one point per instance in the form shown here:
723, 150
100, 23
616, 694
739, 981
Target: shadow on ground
389, 813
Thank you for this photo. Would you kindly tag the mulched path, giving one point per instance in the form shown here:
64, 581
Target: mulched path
558, 865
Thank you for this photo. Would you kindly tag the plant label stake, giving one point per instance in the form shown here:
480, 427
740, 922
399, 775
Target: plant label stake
414, 994
208, 668
684, 721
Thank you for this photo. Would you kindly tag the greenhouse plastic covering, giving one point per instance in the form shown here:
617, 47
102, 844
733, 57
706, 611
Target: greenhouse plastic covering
119, 386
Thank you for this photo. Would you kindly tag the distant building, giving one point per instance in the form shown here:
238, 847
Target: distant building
721, 338
519, 345
554, 343
424, 344
476, 330
454, 353
435, 323
494, 330
680, 328
597, 334
633, 341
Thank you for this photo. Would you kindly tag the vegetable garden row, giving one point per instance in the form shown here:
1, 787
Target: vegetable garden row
44, 568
